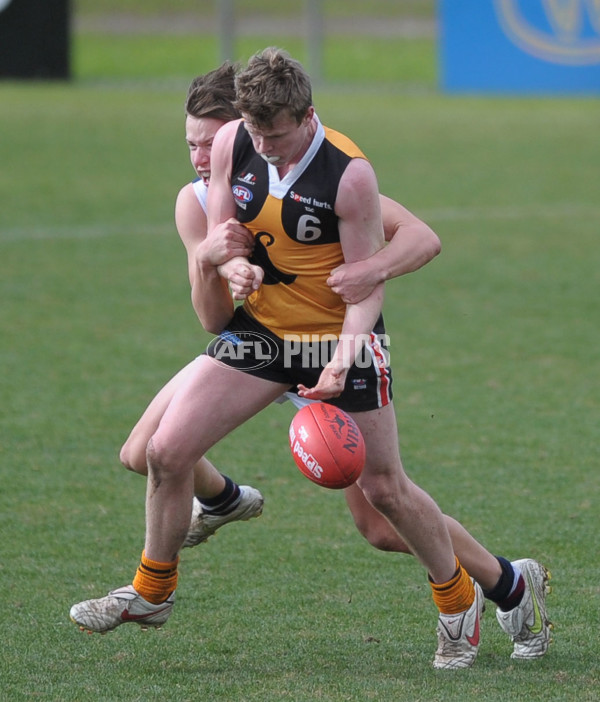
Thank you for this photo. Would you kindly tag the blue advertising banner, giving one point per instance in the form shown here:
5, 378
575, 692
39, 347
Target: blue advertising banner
519, 46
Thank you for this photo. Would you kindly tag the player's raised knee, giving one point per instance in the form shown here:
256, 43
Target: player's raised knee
164, 459
133, 457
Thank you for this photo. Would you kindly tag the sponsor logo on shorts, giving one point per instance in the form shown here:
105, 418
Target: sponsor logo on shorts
244, 350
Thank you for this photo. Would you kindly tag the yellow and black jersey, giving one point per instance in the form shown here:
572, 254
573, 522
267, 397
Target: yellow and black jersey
295, 230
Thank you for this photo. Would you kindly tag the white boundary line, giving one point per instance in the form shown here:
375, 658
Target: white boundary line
533, 211
89, 231
436, 214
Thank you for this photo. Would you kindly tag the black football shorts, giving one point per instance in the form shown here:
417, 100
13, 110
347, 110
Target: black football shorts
249, 346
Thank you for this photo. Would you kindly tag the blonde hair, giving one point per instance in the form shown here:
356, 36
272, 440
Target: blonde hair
271, 83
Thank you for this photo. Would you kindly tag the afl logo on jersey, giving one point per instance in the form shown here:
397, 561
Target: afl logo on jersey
241, 194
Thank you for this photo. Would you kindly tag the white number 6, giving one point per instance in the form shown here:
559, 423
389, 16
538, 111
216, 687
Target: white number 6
308, 229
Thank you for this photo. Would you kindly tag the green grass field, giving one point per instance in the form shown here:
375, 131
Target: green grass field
495, 349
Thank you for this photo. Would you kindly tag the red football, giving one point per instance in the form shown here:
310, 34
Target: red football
327, 445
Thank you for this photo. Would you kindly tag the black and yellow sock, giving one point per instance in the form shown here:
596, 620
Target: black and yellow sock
154, 580
455, 596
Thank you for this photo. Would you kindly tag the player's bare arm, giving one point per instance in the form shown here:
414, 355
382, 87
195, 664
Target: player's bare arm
361, 236
210, 295
204, 254
243, 276
411, 245
191, 224
190, 220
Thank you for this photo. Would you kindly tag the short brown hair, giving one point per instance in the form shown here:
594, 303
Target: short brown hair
213, 94
272, 82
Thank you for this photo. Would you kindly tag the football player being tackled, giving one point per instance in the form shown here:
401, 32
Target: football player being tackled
280, 145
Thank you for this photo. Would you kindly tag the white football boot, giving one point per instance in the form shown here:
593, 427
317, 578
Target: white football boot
119, 607
204, 524
458, 636
527, 624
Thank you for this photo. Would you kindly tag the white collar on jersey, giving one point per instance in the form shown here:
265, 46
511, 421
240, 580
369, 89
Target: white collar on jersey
201, 190
278, 187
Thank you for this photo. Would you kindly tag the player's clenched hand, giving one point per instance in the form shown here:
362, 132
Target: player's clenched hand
354, 282
331, 383
243, 277
226, 241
